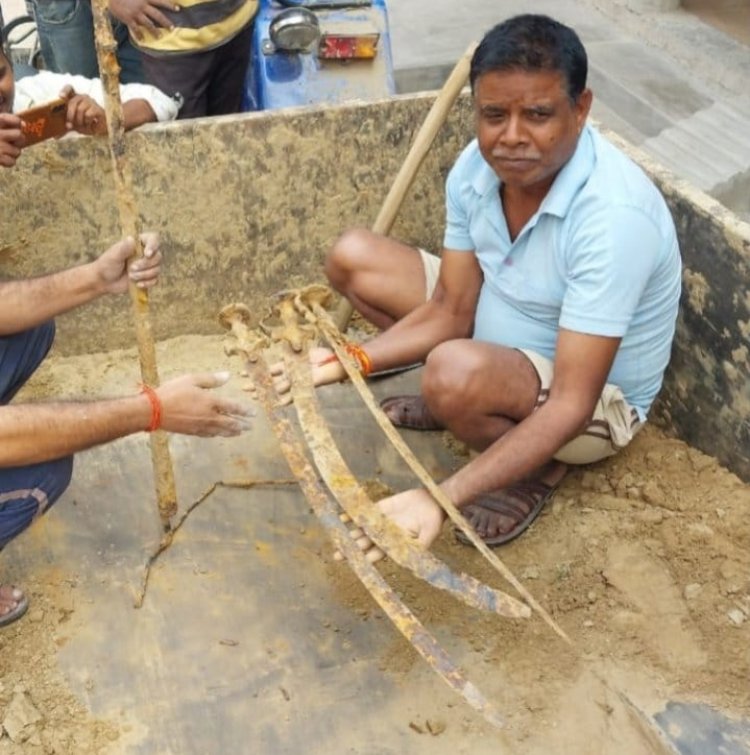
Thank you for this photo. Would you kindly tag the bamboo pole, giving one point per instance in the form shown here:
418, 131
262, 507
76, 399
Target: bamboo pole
109, 71
417, 152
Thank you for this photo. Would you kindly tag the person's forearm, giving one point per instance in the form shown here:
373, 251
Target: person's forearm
32, 433
416, 335
25, 304
135, 113
518, 453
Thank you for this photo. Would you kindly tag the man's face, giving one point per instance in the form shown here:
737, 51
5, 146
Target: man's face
527, 127
7, 85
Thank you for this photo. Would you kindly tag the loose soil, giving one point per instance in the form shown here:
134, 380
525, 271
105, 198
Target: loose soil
643, 559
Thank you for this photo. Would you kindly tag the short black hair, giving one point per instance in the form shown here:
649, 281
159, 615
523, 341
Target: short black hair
532, 42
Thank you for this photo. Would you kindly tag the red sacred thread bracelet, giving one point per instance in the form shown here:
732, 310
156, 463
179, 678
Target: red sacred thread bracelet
358, 354
153, 399
362, 357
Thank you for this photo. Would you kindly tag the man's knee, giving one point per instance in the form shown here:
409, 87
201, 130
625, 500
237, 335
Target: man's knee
28, 492
348, 254
46, 334
450, 376
59, 475
20, 355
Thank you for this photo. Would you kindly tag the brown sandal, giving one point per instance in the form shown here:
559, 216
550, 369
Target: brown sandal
521, 503
410, 412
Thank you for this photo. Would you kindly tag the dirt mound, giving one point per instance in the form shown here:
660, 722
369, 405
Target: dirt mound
645, 562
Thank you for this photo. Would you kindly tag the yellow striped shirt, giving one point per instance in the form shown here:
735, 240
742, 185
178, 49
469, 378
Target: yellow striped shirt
199, 25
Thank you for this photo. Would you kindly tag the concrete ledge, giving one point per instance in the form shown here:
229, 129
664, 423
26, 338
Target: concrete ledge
706, 394
246, 205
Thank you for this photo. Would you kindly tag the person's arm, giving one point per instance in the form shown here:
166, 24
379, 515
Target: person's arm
27, 303
32, 433
144, 103
582, 364
141, 103
448, 314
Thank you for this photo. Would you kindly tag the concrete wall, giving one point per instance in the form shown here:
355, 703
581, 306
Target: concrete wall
248, 205
706, 394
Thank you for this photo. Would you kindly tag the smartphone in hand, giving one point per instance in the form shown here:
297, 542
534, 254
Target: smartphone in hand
44, 121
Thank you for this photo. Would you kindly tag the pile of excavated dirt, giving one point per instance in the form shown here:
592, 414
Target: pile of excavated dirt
644, 560
38, 712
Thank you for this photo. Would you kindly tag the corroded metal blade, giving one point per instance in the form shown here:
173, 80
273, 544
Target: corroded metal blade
328, 514
334, 337
357, 504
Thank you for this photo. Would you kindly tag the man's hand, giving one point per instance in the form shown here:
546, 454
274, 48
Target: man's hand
325, 369
415, 512
83, 114
137, 14
112, 266
189, 407
12, 140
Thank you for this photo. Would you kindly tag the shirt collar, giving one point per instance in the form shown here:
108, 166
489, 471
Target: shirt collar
569, 180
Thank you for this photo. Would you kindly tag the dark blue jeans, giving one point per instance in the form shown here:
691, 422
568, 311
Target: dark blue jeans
66, 36
27, 492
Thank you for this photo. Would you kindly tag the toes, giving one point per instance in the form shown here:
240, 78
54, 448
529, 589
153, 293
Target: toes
10, 597
10, 594
374, 555
364, 543
488, 524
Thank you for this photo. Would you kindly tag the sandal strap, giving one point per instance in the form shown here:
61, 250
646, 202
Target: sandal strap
517, 500
521, 503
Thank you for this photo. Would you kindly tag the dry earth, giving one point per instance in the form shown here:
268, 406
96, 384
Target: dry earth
644, 560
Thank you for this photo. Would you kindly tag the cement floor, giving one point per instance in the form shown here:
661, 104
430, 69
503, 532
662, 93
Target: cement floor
246, 640
242, 644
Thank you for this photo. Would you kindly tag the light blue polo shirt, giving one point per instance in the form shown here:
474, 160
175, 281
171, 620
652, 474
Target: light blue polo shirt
600, 256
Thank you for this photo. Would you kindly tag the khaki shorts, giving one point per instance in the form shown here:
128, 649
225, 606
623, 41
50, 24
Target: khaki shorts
431, 263
614, 424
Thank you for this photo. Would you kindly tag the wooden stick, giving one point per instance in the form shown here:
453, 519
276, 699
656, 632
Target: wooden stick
423, 141
109, 70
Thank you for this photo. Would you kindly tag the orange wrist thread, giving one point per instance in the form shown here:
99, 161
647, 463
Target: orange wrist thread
153, 399
362, 358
